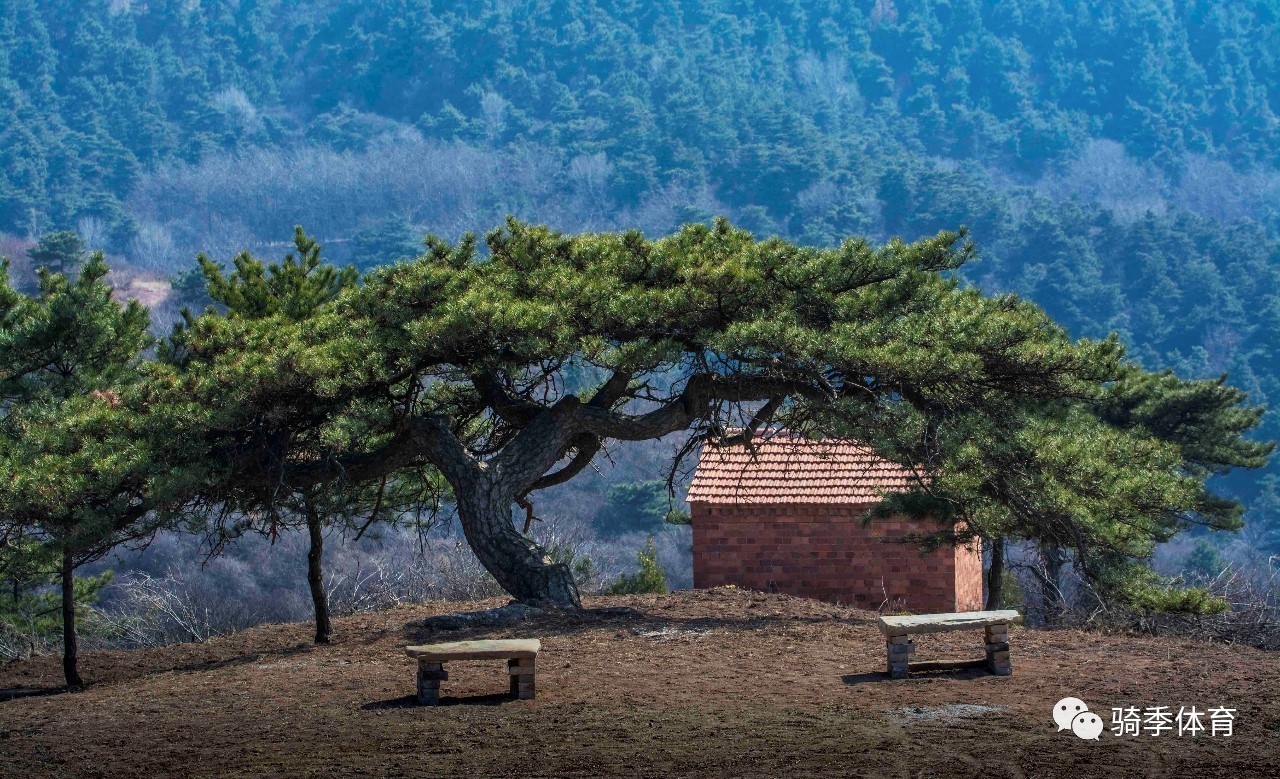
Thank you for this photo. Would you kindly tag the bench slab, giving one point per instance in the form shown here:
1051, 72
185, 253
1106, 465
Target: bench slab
486, 649
941, 623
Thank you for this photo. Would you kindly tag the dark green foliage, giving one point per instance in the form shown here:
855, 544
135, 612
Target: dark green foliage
819, 123
30, 611
763, 99
294, 289
311, 396
58, 252
69, 493
1204, 562
385, 243
650, 579
634, 506
677, 517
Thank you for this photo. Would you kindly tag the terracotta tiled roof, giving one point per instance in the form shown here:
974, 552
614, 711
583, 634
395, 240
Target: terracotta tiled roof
785, 469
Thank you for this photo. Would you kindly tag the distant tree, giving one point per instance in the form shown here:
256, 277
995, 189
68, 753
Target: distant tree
59, 252
385, 242
1204, 562
631, 506
152, 247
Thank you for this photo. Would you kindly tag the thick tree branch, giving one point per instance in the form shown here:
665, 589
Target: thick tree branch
536, 448
612, 390
509, 408
586, 446
693, 404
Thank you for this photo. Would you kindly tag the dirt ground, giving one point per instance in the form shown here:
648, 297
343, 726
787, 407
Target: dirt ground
702, 683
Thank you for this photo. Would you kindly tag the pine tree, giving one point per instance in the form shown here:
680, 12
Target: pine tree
294, 292
58, 252
460, 364
67, 355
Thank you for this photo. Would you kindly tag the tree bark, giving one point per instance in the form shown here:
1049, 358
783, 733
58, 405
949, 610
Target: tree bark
517, 563
315, 574
70, 650
995, 575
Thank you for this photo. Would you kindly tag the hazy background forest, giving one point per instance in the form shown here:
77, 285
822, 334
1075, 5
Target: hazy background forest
1117, 163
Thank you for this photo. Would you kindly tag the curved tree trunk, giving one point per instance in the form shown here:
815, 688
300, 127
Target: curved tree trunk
315, 575
70, 649
995, 575
520, 566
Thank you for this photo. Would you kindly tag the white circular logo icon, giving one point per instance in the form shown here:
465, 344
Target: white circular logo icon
1065, 710
1087, 725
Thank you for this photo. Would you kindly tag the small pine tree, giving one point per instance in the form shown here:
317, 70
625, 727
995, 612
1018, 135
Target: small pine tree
1204, 562
649, 579
59, 252
634, 506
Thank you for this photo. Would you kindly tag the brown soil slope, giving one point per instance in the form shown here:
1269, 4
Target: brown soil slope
706, 683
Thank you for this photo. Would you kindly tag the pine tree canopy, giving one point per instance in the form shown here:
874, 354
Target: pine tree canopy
508, 370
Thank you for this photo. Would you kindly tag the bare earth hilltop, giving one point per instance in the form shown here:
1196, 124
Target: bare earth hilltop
696, 683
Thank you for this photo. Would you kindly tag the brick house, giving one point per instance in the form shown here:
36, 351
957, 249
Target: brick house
787, 519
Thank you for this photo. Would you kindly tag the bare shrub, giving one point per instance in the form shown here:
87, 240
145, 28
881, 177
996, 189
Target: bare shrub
234, 103
94, 232
146, 611
1250, 586
21, 272
1103, 173
171, 593
260, 195
493, 109
153, 248
1214, 189
363, 580
589, 174
667, 208
828, 85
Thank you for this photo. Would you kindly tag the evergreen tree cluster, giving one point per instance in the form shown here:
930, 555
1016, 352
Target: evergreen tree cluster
759, 101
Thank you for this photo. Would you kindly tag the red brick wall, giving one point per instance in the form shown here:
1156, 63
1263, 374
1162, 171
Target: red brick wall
969, 577
824, 552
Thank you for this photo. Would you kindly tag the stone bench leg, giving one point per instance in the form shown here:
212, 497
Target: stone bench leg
900, 649
998, 650
521, 671
429, 677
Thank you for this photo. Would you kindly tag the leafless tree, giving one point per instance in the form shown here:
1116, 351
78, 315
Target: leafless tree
153, 248
1103, 173
93, 231
493, 109
1214, 189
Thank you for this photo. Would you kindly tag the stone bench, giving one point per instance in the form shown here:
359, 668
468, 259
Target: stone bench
520, 655
898, 631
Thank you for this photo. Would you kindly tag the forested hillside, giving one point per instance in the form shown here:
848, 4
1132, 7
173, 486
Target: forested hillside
1116, 162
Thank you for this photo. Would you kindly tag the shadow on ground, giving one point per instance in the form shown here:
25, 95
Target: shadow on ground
411, 701
540, 623
958, 673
